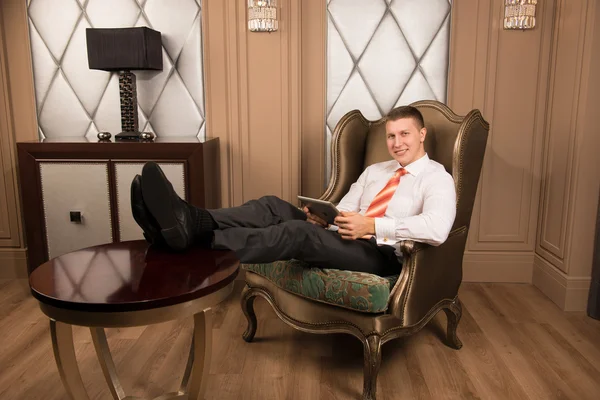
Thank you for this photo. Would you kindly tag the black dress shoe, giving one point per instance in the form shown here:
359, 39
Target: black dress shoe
168, 209
142, 216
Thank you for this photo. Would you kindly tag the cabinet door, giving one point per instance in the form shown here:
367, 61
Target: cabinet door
125, 172
75, 187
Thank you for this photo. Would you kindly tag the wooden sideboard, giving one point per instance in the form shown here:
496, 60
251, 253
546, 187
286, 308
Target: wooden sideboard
77, 194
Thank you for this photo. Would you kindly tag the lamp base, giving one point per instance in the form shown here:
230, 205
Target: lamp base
131, 135
125, 135
129, 106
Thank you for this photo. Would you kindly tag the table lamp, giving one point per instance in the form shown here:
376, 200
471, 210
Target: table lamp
124, 50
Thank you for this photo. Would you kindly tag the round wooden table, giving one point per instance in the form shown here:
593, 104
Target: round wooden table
132, 284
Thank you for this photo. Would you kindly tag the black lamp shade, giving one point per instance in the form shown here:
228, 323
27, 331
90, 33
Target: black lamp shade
119, 49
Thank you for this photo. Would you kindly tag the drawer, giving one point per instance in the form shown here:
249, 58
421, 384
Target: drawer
80, 187
124, 174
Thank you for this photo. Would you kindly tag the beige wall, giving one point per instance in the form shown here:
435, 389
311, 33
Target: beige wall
533, 220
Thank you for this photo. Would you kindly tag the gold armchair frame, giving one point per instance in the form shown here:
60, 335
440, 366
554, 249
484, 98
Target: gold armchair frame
430, 276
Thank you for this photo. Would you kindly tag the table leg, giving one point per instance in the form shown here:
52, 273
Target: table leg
64, 354
188, 370
106, 363
202, 347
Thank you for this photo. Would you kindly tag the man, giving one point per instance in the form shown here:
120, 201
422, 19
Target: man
409, 197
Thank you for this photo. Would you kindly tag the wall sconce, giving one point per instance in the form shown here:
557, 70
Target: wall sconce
519, 14
262, 15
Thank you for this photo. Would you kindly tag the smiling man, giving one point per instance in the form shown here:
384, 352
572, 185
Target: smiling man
409, 197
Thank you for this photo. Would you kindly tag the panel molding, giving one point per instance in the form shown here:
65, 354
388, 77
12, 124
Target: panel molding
465, 54
253, 83
291, 84
586, 173
10, 223
485, 234
570, 293
19, 69
237, 10
270, 101
314, 91
565, 81
219, 24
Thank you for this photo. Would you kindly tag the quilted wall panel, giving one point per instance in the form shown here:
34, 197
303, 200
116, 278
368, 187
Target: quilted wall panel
382, 54
73, 100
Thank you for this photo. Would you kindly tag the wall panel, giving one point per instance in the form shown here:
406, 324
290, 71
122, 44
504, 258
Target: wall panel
514, 102
564, 251
565, 79
253, 100
313, 99
10, 229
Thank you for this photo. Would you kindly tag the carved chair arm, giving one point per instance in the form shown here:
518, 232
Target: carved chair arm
433, 270
409, 247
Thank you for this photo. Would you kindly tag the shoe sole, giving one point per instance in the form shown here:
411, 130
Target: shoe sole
136, 196
158, 196
150, 233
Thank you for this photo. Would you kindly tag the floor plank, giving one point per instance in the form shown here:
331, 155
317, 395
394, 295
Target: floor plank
517, 345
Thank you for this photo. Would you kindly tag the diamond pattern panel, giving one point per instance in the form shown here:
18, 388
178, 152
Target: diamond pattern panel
88, 84
102, 13
62, 106
382, 54
386, 79
76, 101
356, 21
420, 20
174, 16
55, 20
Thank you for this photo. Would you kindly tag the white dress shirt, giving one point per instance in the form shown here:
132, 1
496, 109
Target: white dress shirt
422, 209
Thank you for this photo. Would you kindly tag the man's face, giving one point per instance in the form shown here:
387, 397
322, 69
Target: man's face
405, 140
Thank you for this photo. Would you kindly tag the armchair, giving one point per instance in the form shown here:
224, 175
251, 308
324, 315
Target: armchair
378, 309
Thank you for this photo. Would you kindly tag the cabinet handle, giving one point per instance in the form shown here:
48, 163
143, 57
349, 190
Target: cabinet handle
76, 217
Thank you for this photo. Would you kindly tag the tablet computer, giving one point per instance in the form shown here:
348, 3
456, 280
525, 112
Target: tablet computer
321, 208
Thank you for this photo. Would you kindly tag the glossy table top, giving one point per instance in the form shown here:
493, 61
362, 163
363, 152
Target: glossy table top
130, 276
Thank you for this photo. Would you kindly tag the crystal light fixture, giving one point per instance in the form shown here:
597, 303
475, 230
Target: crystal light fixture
262, 15
519, 14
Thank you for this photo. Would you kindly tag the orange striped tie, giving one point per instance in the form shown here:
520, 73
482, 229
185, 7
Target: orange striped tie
380, 202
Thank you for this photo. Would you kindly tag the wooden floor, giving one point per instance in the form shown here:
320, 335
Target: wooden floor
517, 345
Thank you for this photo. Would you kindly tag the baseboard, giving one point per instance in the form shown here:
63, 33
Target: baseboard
569, 293
497, 267
13, 263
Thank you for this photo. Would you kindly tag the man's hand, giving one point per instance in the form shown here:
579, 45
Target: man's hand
313, 219
353, 226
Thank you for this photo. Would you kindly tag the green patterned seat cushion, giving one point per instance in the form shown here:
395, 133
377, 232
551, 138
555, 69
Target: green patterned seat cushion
357, 291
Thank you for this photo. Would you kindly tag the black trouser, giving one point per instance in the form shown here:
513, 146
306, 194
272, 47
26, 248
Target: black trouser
271, 229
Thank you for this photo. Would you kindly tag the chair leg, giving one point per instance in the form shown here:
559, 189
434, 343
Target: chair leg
372, 354
453, 314
247, 301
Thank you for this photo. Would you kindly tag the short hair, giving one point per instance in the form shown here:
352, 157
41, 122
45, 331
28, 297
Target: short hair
406, 112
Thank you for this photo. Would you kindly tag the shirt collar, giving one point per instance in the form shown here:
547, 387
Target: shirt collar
415, 167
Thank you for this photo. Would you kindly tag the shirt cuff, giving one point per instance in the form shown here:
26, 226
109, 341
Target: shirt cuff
385, 229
